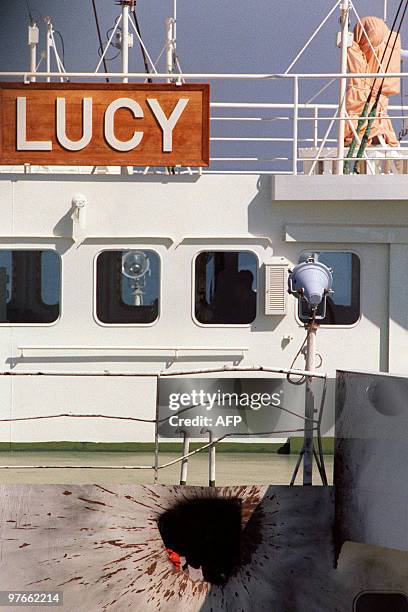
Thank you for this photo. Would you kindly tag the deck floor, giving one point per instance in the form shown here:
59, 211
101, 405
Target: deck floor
231, 468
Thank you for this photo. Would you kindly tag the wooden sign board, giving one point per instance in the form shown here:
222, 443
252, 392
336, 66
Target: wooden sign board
122, 124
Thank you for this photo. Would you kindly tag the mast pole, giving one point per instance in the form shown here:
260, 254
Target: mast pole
169, 48
385, 10
345, 18
174, 26
171, 36
125, 40
33, 40
48, 47
309, 405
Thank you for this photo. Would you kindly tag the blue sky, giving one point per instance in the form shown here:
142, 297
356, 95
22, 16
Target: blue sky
214, 35
256, 36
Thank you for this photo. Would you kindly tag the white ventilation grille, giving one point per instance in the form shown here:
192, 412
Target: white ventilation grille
276, 280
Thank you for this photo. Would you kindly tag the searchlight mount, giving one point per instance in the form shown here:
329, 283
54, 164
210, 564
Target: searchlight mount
310, 282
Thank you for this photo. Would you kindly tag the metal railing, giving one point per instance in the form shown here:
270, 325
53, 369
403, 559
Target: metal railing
157, 420
262, 137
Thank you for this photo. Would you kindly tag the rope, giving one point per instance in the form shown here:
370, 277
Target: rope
99, 36
137, 26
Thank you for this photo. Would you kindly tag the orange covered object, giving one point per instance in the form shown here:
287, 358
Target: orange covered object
370, 53
174, 558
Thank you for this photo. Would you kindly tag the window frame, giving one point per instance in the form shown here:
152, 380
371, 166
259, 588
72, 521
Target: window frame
58, 319
95, 293
332, 325
378, 592
193, 292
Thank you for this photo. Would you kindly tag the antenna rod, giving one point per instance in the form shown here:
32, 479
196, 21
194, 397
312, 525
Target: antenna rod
171, 41
345, 19
174, 23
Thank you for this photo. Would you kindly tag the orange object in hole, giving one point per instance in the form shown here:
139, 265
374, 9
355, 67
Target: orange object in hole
174, 558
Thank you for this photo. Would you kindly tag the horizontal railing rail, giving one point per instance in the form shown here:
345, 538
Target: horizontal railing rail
203, 75
157, 421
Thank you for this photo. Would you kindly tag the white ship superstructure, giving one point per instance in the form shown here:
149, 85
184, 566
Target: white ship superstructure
217, 244
177, 266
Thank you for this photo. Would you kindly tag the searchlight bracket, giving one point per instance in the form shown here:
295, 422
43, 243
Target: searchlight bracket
310, 282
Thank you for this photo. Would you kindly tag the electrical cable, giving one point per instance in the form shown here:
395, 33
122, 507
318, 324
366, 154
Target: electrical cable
99, 36
364, 113
30, 15
403, 132
137, 26
101, 49
31, 11
288, 375
373, 112
62, 46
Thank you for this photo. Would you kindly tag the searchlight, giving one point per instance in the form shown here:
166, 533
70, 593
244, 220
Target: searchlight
135, 267
311, 282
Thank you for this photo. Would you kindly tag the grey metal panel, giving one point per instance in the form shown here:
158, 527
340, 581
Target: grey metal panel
371, 452
346, 234
340, 188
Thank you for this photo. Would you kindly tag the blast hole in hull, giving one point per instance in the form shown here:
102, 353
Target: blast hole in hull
206, 533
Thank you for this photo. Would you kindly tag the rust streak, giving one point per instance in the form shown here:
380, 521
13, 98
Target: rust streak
107, 576
93, 501
71, 580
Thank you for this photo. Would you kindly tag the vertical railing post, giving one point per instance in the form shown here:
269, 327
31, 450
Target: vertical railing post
316, 127
156, 432
211, 460
345, 16
184, 463
211, 457
295, 123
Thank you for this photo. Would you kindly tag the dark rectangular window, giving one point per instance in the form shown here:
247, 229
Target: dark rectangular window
30, 286
127, 287
225, 287
343, 307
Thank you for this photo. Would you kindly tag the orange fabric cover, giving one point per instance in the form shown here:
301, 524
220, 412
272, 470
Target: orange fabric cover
361, 58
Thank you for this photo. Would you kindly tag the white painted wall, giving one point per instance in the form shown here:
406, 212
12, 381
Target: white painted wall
178, 217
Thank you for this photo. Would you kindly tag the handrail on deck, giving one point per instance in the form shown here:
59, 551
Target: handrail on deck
316, 422
262, 152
